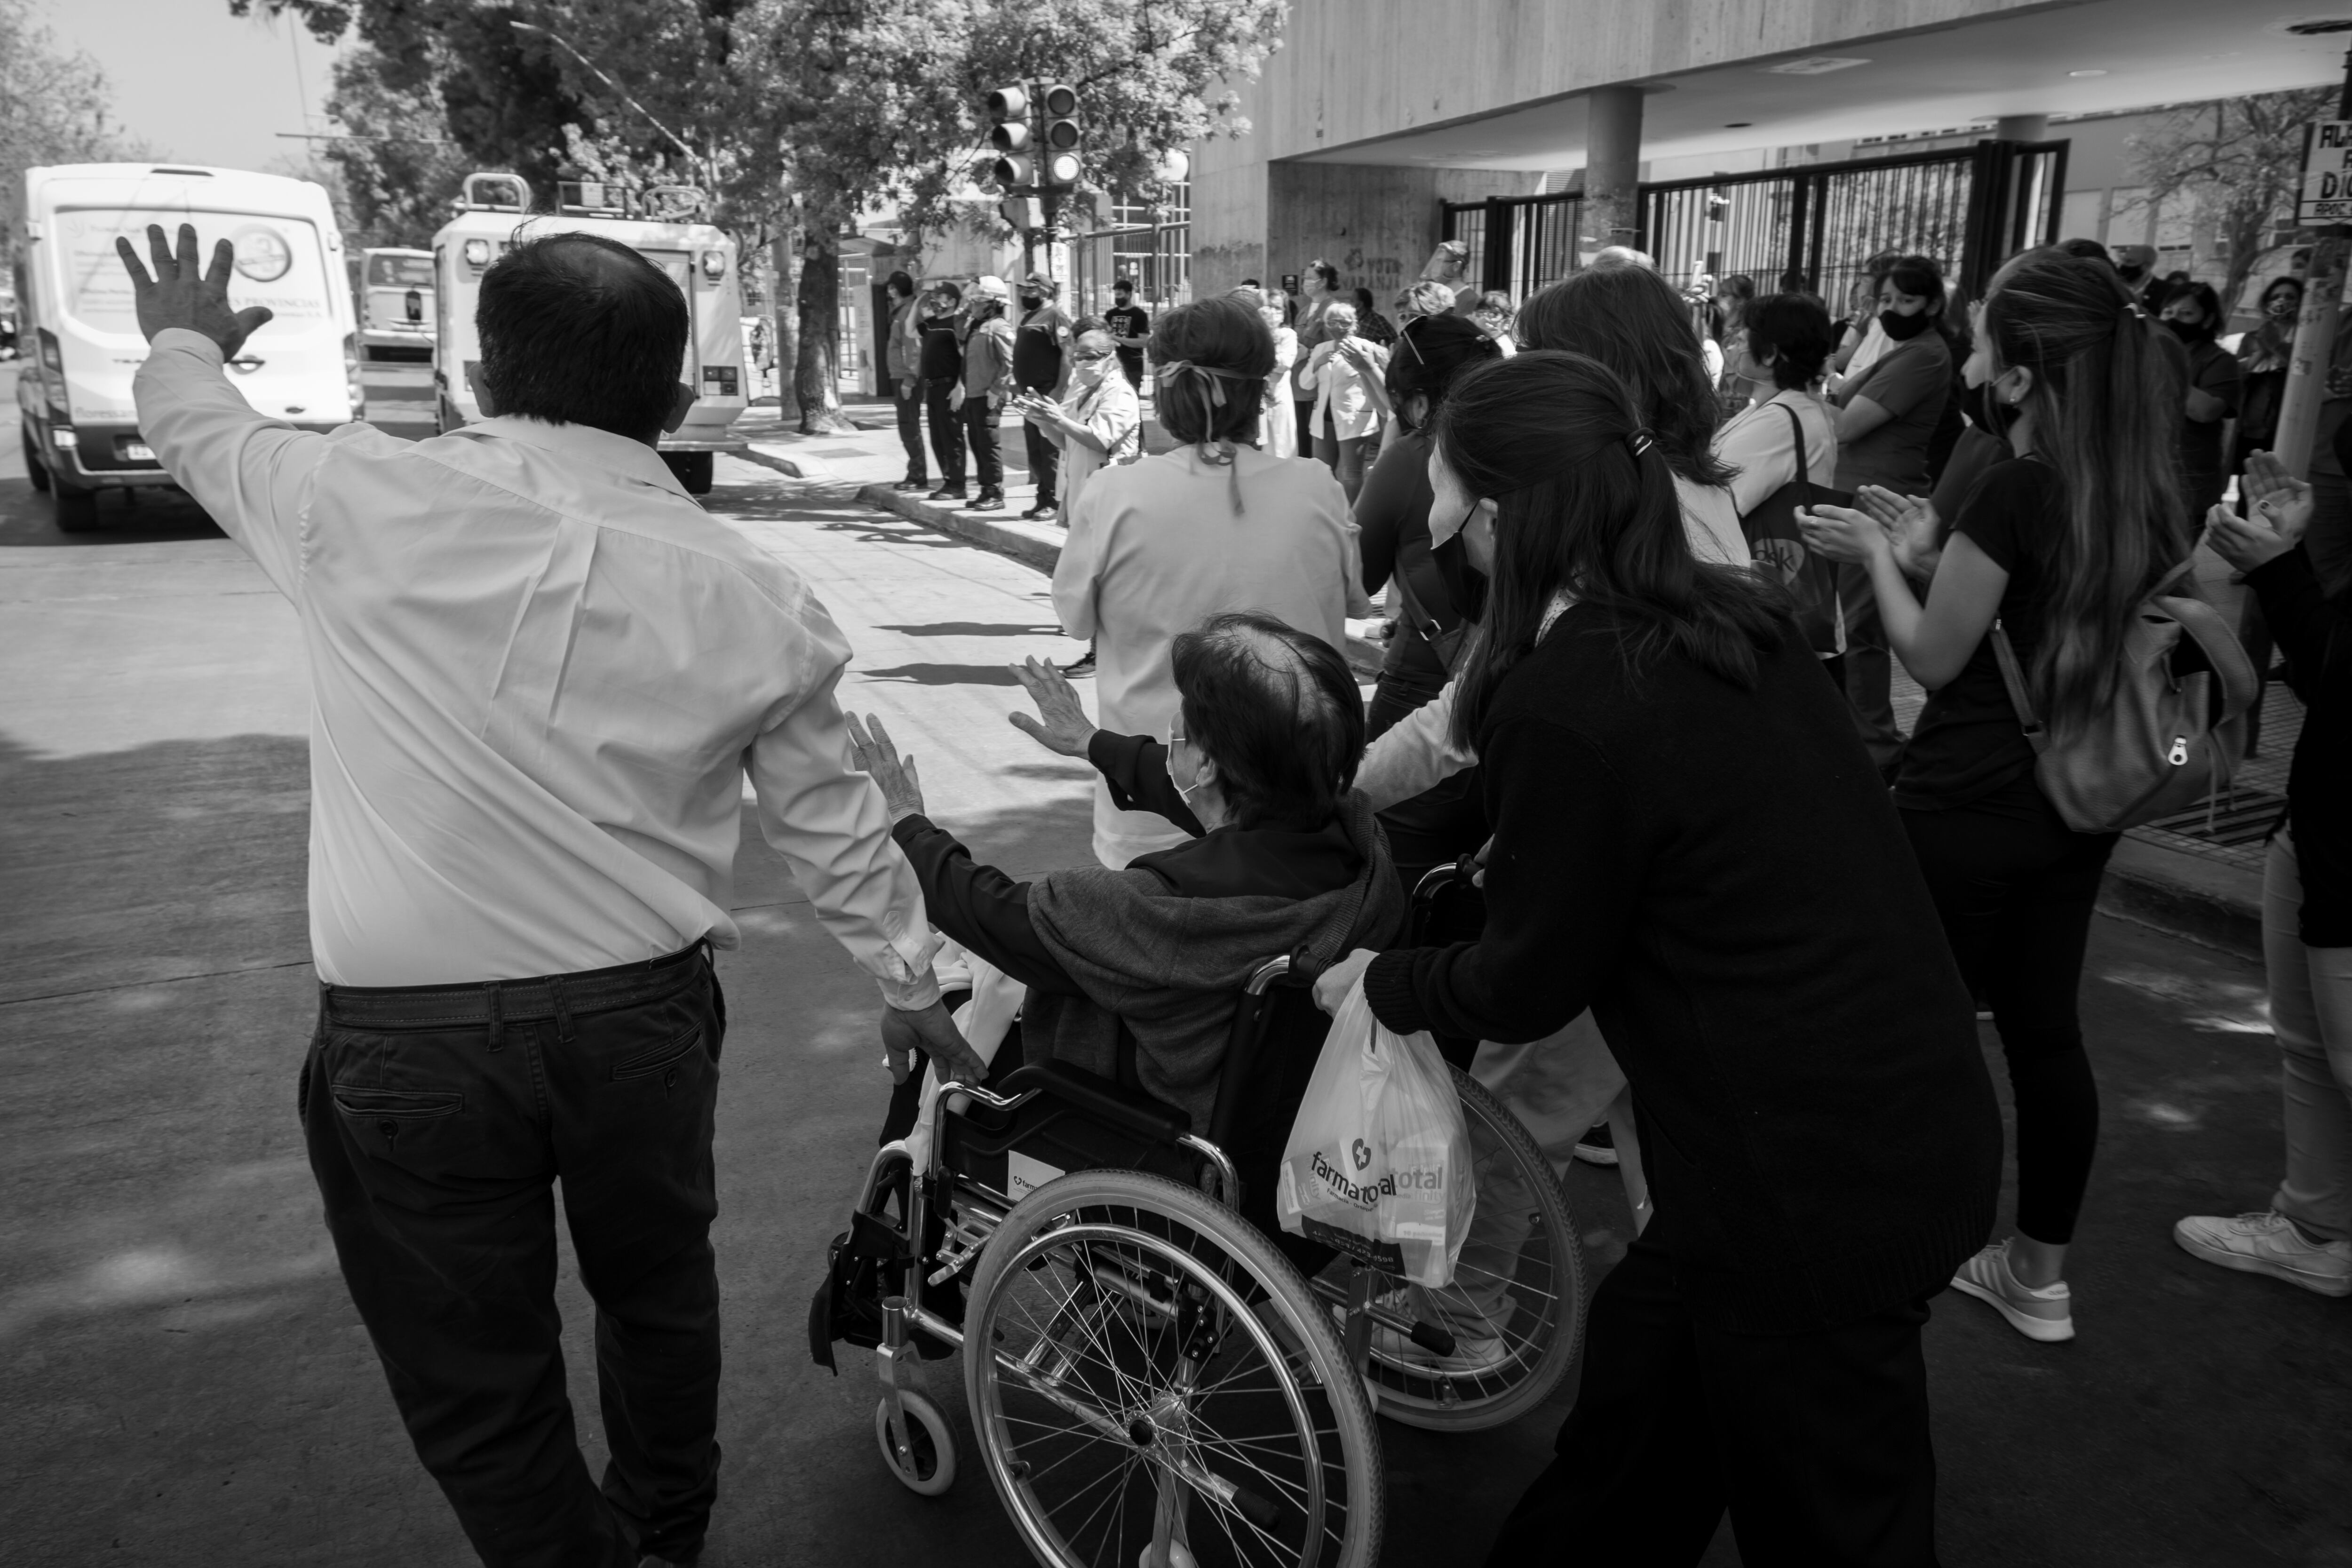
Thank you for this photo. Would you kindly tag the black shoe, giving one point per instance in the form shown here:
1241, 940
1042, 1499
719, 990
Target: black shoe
989, 501
946, 492
1598, 1146
1041, 510
912, 484
1082, 665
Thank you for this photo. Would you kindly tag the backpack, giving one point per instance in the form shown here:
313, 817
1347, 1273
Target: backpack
1777, 547
2168, 741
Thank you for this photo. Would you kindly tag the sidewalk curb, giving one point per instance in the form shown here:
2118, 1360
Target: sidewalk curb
2185, 894
783, 465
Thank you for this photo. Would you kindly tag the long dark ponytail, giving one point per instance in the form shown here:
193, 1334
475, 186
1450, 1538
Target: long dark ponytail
1586, 505
2105, 401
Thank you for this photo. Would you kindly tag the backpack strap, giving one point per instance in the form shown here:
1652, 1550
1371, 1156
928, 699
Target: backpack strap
2037, 734
1419, 585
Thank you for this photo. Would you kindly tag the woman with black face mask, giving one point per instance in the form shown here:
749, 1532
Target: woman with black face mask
2216, 385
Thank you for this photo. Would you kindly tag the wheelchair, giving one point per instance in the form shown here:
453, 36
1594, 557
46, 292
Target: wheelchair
1155, 1373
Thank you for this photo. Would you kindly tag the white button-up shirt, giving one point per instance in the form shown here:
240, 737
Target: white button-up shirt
538, 672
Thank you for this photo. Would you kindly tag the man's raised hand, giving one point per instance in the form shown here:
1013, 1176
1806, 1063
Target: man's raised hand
1061, 724
177, 294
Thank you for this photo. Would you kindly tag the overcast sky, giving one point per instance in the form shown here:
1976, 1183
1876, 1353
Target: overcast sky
200, 85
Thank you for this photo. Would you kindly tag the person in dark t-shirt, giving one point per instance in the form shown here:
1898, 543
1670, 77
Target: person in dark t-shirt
2217, 383
1131, 330
2051, 550
1040, 347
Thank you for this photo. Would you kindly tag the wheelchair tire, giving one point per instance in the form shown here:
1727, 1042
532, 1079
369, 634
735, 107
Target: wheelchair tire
1127, 1329
928, 1466
1545, 1325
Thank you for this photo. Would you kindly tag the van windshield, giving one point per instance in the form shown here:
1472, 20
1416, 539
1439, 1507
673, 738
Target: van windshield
400, 272
278, 263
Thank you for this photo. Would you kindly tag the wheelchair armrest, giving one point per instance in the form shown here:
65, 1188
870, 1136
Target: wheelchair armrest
1100, 1096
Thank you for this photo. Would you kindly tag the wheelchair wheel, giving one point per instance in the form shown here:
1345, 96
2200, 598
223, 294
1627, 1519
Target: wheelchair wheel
926, 1464
1516, 1307
1147, 1372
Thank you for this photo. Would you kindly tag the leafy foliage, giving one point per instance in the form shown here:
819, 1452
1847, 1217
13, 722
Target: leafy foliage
2240, 159
53, 105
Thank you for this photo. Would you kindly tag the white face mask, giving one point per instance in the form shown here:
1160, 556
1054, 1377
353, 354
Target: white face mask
1193, 777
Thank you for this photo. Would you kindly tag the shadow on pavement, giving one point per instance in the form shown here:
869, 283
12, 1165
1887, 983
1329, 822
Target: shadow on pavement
27, 520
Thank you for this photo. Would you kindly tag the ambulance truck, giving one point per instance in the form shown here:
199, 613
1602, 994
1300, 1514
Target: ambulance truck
80, 335
665, 224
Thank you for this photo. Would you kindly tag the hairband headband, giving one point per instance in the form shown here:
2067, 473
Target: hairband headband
1213, 375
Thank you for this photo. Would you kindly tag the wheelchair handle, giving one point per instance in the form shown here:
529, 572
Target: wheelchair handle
1440, 877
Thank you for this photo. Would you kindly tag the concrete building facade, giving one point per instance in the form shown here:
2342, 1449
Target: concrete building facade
1376, 113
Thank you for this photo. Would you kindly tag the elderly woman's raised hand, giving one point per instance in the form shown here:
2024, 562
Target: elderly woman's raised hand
1061, 724
902, 789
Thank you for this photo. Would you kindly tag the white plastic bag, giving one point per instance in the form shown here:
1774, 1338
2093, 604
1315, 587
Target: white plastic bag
1377, 1165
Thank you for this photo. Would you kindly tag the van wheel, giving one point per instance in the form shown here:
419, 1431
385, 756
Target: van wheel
692, 468
35, 469
76, 507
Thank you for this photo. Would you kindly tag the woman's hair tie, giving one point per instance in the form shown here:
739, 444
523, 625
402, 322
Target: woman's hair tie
1213, 376
1639, 440
2133, 307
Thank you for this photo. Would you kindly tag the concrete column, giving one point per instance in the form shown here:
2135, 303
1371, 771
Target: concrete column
2022, 128
1613, 169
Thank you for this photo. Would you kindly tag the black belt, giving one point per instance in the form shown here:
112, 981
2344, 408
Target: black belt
499, 1001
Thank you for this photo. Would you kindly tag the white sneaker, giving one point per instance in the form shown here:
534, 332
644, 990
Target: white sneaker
2046, 1314
2268, 1243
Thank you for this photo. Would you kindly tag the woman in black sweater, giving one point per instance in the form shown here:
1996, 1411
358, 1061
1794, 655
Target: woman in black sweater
1690, 839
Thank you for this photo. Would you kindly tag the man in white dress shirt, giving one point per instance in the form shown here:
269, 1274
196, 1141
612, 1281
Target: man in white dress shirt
539, 675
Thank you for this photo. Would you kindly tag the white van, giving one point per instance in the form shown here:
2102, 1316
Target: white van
80, 335
396, 305
665, 225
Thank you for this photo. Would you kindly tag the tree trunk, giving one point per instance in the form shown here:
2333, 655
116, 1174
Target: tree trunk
783, 314
816, 380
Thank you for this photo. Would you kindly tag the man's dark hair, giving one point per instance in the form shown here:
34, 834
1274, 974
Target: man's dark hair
1252, 283
580, 330
2088, 249
1326, 271
900, 284
1277, 711
1795, 330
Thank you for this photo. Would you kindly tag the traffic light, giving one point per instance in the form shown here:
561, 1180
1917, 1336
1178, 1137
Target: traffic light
1016, 163
1064, 138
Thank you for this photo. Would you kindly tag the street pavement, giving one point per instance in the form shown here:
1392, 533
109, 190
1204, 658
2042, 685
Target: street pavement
183, 1379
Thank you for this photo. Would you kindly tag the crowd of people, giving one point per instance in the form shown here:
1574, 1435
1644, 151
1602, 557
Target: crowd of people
1652, 558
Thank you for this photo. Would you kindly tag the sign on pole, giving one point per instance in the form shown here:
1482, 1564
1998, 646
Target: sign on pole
2326, 193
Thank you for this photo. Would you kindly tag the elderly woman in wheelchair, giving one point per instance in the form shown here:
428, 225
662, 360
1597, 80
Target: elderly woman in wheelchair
1157, 1373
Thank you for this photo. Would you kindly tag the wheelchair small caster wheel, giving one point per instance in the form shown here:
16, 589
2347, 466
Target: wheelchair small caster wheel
927, 1465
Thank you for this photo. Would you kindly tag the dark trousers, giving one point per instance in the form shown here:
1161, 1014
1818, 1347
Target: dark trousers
907, 399
1869, 668
947, 430
979, 435
438, 1120
1305, 412
1045, 458
1817, 1443
2015, 894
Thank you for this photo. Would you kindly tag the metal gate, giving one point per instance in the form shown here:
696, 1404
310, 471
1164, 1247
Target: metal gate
1969, 208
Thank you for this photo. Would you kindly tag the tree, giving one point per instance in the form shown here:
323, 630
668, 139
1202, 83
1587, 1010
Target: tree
879, 103
54, 106
2240, 159
400, 168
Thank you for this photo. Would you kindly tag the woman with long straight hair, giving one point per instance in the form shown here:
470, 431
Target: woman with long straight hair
1690, 841
1630, 319
2057, 546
